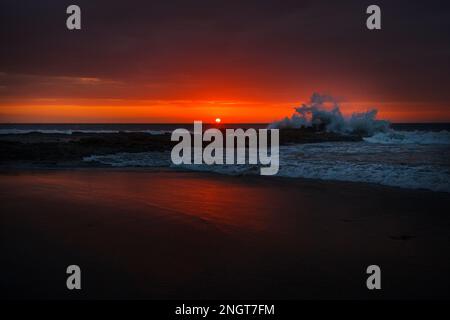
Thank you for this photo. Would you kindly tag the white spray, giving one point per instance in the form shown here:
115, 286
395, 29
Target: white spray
323, 112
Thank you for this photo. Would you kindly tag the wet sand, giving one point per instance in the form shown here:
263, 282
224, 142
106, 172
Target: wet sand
141, 234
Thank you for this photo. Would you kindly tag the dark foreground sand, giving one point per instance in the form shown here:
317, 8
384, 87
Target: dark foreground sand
157, 235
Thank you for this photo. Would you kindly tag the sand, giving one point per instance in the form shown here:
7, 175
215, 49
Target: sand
140, 234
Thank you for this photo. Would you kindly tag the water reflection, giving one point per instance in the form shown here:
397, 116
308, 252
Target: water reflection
222, 202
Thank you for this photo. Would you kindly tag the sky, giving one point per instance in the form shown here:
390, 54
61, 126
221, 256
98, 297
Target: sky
243, 61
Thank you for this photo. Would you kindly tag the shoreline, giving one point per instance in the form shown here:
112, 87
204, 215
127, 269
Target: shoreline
30, 168
306, 154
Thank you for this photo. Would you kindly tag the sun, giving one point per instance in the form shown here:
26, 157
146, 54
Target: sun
218, 120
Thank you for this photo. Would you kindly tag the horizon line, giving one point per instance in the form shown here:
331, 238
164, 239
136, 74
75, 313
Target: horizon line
168, 123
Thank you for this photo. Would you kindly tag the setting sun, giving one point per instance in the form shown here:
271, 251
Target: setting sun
218, 120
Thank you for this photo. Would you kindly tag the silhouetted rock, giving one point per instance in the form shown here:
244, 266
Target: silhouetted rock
57, 149
311, 135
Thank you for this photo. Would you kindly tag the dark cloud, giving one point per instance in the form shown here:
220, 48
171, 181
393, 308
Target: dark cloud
258, 44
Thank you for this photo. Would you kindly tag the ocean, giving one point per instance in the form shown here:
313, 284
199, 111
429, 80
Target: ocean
408, 155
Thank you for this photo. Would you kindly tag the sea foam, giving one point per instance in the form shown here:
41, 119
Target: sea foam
413, 166
410, 137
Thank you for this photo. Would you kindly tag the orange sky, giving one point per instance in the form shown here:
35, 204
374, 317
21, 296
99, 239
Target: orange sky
235, 97
242, 61
185, 111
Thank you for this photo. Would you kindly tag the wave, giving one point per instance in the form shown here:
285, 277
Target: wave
139, 159
410, 137
411, 166
407, 166
323, 113
409, 177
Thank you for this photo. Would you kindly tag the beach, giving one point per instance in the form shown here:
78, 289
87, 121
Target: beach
225, 157
168, 234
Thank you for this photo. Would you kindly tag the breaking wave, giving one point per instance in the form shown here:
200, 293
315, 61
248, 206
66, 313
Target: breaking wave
323, 112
